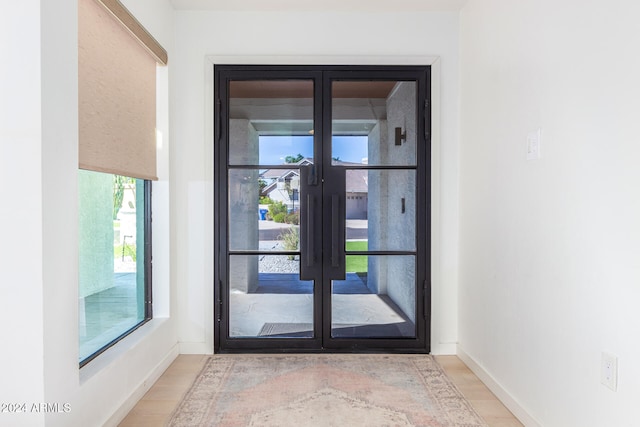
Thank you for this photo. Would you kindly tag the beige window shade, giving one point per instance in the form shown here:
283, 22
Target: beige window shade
116, 91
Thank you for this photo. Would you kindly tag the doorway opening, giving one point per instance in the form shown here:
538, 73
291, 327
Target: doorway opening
322, 208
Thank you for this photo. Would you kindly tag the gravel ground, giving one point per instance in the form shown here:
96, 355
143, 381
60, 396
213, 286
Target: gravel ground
276, 263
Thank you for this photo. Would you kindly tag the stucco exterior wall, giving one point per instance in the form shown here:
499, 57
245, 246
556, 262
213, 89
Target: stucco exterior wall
389, 227
243, 204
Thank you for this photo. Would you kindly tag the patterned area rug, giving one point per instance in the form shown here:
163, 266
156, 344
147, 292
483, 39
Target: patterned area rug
323, 390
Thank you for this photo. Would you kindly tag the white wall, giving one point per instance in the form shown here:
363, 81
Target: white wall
21, 295
298, 37
550, 249
39, 267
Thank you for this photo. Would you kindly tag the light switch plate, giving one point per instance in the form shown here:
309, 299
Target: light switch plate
609, 371
533, 145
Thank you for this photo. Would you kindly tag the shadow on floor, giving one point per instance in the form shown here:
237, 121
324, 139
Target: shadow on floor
290, 283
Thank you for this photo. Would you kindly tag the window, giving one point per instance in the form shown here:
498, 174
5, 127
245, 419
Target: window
117, 64
114, 259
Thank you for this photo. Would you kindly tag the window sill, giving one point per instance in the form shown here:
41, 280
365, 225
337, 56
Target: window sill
120, 349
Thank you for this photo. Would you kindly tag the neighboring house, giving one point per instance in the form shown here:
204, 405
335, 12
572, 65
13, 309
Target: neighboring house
357, 193
281, 184
281, 188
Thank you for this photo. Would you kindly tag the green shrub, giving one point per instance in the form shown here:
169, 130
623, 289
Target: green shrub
292, 218
120, 251
290, 240
279, 217
275, 208
265, 200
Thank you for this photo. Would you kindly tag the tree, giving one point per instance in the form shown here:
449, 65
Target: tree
293, 159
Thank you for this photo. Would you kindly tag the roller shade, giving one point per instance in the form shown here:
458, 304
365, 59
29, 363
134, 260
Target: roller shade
116, 91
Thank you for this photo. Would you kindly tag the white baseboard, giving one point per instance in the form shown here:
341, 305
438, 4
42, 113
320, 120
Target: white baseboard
195, 348
444, 349
142, 388
501, 393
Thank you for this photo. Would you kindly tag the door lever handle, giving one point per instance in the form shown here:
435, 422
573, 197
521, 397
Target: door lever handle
310, 255
335, 230
312, 177
310, 194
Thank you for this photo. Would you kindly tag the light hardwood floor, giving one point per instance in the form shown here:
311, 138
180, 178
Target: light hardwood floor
155, 408
481, 398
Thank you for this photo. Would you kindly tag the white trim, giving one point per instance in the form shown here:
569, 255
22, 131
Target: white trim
436, 82
501, 393
120, 349
142, 388
195, 347
439, 344
379, 6
444, 349
320, 60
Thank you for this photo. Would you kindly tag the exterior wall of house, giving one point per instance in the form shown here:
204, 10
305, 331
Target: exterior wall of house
401, 113
356, 205
378, 196
389, 228
279, 195
204, 37
96, 238
243, 205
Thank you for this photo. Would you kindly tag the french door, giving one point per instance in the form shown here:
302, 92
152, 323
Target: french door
322, 208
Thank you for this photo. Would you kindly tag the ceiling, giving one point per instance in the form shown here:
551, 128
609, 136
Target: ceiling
321, 5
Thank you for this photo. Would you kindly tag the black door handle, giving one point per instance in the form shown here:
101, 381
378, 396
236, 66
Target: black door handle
310, 192
335, 230
310, 235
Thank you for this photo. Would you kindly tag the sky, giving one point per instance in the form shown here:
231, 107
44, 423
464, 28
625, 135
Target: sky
274, 149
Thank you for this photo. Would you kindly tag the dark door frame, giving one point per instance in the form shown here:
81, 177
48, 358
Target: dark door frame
323, 75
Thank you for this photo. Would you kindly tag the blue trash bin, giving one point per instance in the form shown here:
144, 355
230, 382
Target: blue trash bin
263, 214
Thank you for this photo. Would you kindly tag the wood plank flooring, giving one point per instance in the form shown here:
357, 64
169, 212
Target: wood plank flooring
156, 406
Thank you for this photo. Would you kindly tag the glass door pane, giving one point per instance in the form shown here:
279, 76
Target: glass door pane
376, 299
374, 142
270, 139
373, 123
380, 209
267, 298
270, 122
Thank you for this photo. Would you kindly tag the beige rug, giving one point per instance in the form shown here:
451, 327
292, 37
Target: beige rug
323, 390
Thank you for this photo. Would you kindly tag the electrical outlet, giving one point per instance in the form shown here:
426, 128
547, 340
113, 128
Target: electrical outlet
609, 371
